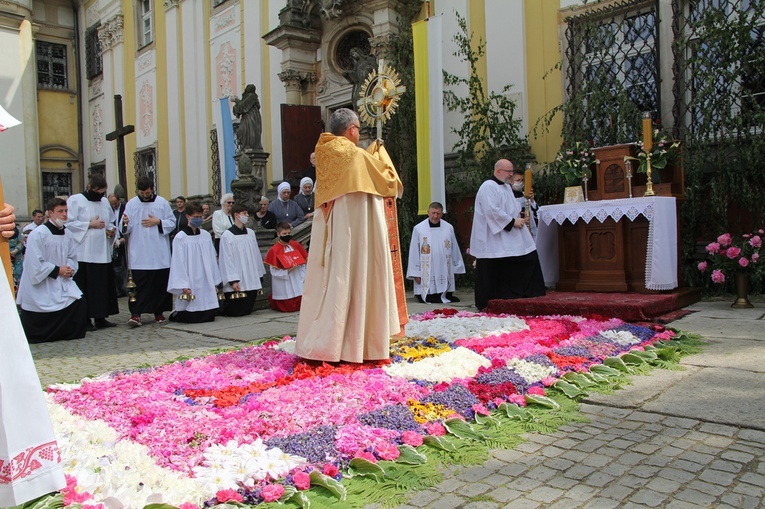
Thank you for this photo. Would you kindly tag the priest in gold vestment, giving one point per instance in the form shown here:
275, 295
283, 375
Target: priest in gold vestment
349, 310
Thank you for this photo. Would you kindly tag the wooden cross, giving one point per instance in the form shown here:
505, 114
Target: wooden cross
119, 134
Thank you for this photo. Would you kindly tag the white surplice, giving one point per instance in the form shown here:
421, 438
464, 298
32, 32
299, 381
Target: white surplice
37, 291
287, 284
149, 247
30, 462
193, 266
495, 207
240, 260
435, 258
93, 246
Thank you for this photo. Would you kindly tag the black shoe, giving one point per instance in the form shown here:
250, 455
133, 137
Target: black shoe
103, 323
452, 298
90, 327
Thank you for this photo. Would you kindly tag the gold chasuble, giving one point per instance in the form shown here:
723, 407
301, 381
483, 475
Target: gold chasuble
353, 298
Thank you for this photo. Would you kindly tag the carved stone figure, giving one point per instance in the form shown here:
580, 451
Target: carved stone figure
363, 64
247, 109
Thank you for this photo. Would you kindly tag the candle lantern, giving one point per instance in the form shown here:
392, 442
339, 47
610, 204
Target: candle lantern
527, 181
647, 146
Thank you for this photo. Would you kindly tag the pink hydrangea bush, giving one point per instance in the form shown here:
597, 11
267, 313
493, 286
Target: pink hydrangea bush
729, 255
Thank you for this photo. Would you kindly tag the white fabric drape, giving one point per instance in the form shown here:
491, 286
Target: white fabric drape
661, 256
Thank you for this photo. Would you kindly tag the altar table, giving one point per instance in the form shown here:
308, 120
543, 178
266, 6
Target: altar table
619, 245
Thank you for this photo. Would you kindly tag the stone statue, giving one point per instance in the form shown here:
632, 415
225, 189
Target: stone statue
363, 64
247, 109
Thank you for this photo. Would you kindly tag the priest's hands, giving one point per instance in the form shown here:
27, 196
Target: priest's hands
125, 220
97, 223
65, 271
417, 280
186, 291
151, 221
235, 287
7, 221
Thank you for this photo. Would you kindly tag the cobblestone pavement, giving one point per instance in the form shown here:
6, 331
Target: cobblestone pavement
674, 439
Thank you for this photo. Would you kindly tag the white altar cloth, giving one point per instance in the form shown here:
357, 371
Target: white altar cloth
661, 257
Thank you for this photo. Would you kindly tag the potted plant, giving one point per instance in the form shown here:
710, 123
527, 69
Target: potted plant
735, 257
574, 163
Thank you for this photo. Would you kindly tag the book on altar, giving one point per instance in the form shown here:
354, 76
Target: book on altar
290, 259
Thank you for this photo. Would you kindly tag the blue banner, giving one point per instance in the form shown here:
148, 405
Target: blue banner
229, 146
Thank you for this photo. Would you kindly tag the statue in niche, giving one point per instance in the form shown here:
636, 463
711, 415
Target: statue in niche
247, 109
363, 64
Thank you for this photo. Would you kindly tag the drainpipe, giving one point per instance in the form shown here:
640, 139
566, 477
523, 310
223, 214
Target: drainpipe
80, 92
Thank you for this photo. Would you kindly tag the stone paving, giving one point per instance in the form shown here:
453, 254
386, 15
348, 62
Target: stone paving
674, 439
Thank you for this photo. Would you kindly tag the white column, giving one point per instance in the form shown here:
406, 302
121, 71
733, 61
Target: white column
174, 52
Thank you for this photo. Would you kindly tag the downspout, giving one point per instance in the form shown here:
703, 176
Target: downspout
78, 81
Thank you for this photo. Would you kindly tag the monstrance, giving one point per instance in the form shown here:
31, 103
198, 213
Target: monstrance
378, 97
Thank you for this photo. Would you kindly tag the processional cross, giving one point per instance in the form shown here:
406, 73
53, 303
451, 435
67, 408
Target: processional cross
119, 134
378, 97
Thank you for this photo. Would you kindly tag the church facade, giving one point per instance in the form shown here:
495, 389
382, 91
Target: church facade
63, 62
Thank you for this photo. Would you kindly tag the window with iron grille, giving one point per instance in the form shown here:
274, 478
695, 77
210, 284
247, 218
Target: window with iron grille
145, 162
146, 26
51, 65
720, 76
612, 69
97, 169
93, 62
56, 183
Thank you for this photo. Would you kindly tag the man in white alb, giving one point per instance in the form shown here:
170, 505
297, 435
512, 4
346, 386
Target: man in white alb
90, 226
147, 223
507, 264
52, 307
241, 265
434, 258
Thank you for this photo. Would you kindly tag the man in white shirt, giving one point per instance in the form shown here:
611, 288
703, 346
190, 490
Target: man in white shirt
434, 258
38, 216
90, 226
507, 264
147, 222
241, 265
194, 273
52, 307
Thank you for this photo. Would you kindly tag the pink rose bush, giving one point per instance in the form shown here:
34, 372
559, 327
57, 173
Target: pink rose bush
728, 255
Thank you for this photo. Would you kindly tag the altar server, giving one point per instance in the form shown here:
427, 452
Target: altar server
434, 258
52, 307
89, 224
194, 271
286, 259
30, 460
148, 221
507, 264
241, 265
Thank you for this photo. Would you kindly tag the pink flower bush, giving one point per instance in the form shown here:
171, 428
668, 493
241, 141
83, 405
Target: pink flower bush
729, 254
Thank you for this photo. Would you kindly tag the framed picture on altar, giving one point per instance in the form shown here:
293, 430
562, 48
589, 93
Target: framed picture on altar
573, 194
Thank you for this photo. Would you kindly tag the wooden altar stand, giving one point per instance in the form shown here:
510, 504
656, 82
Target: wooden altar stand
614, 243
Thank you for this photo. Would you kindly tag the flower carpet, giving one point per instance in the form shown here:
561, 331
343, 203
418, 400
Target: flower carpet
259, 426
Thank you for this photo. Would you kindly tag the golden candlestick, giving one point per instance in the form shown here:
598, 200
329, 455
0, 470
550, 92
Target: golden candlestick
649, 183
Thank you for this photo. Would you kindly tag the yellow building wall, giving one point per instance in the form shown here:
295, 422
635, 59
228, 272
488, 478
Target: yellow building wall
542, 54
57, 119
